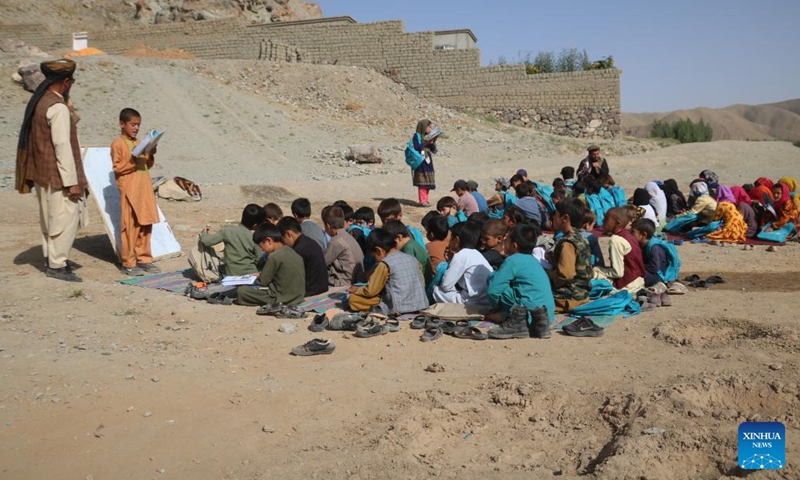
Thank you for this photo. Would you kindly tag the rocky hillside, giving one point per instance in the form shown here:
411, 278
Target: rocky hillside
774, 121
62, 15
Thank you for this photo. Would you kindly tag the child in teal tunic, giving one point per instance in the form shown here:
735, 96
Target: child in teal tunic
520, 280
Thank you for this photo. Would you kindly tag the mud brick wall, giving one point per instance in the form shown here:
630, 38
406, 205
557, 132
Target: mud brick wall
579, 104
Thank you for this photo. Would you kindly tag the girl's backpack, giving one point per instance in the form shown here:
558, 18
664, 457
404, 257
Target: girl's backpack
703, 231
414, 158
619, 196
678, 224
673, 260
779, 235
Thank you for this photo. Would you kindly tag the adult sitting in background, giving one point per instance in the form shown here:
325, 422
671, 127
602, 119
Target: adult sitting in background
593, 166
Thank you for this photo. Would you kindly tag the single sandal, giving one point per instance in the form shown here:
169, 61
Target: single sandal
371, 329
269, 309
291, 313
471, 333
431, 334
714, 279
418, 323
392, 324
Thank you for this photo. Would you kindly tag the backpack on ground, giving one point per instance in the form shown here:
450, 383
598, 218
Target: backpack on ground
205, 262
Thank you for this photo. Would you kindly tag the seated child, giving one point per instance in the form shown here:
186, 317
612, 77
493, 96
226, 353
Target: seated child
301, 210
273, 213
390, 209
520, 282
409, 246
513, 216
467, 274
363, 223
641, 199
571, 275
501, 187
395, 285
241, 254
661, 261
343, 256
627, 262
568, 174
493, 234
587, 226
448, 207
313, 256
283, 279
437, 232
365, 218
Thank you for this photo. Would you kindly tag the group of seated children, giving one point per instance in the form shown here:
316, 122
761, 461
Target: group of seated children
496, 264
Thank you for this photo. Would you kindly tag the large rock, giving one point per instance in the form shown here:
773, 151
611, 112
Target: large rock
32, 76
364, 154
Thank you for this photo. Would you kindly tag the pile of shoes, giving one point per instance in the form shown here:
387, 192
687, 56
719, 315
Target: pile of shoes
695, 281
279, 310
434, 328
655, 296
364, 326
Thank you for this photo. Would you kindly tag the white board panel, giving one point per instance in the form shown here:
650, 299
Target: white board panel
103, 187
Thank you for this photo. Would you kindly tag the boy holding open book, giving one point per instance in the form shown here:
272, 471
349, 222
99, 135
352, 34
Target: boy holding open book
138, 210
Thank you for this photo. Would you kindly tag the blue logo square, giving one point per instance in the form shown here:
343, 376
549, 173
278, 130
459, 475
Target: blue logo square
762, 445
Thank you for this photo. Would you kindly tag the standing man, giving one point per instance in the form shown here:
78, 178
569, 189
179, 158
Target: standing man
49, 161
593, 166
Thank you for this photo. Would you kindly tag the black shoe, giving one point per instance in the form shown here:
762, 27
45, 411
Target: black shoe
319, 323
540, 323
63, 273
514, 326
583, 327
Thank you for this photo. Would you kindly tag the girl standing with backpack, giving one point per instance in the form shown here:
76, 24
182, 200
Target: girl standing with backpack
424, 176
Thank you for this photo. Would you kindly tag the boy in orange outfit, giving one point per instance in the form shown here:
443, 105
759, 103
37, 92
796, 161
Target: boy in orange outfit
136, 198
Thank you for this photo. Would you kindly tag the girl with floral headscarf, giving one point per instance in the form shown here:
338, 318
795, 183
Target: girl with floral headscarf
785, 209
734, 228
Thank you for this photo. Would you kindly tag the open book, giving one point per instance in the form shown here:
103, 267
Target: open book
233, 280
148, 143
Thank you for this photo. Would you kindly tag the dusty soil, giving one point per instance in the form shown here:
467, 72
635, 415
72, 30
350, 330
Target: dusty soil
102, 380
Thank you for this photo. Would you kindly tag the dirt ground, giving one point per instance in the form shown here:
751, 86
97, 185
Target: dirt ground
102, 380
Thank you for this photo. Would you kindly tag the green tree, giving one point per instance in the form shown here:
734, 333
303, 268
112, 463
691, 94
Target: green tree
568, 60
545, 62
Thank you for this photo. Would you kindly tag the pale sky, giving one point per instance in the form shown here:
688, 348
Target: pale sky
675, 54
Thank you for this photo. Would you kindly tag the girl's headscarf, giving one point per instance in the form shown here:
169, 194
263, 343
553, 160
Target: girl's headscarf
761, 194
724, 194
785, 195
699, 189
711, 178
422, 125
641, 197
670, 188
740, 195
765, 182
790, 182
657, 199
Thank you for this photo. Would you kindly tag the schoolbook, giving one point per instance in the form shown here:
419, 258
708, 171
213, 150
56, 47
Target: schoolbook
434, 133
148, 143
233, 280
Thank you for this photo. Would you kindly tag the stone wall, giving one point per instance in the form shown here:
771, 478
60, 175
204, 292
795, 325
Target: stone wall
580, 104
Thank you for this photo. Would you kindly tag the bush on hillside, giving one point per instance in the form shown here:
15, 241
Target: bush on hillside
797, 143
685, 131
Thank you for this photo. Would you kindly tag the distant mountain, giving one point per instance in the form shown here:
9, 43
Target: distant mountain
772, 121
